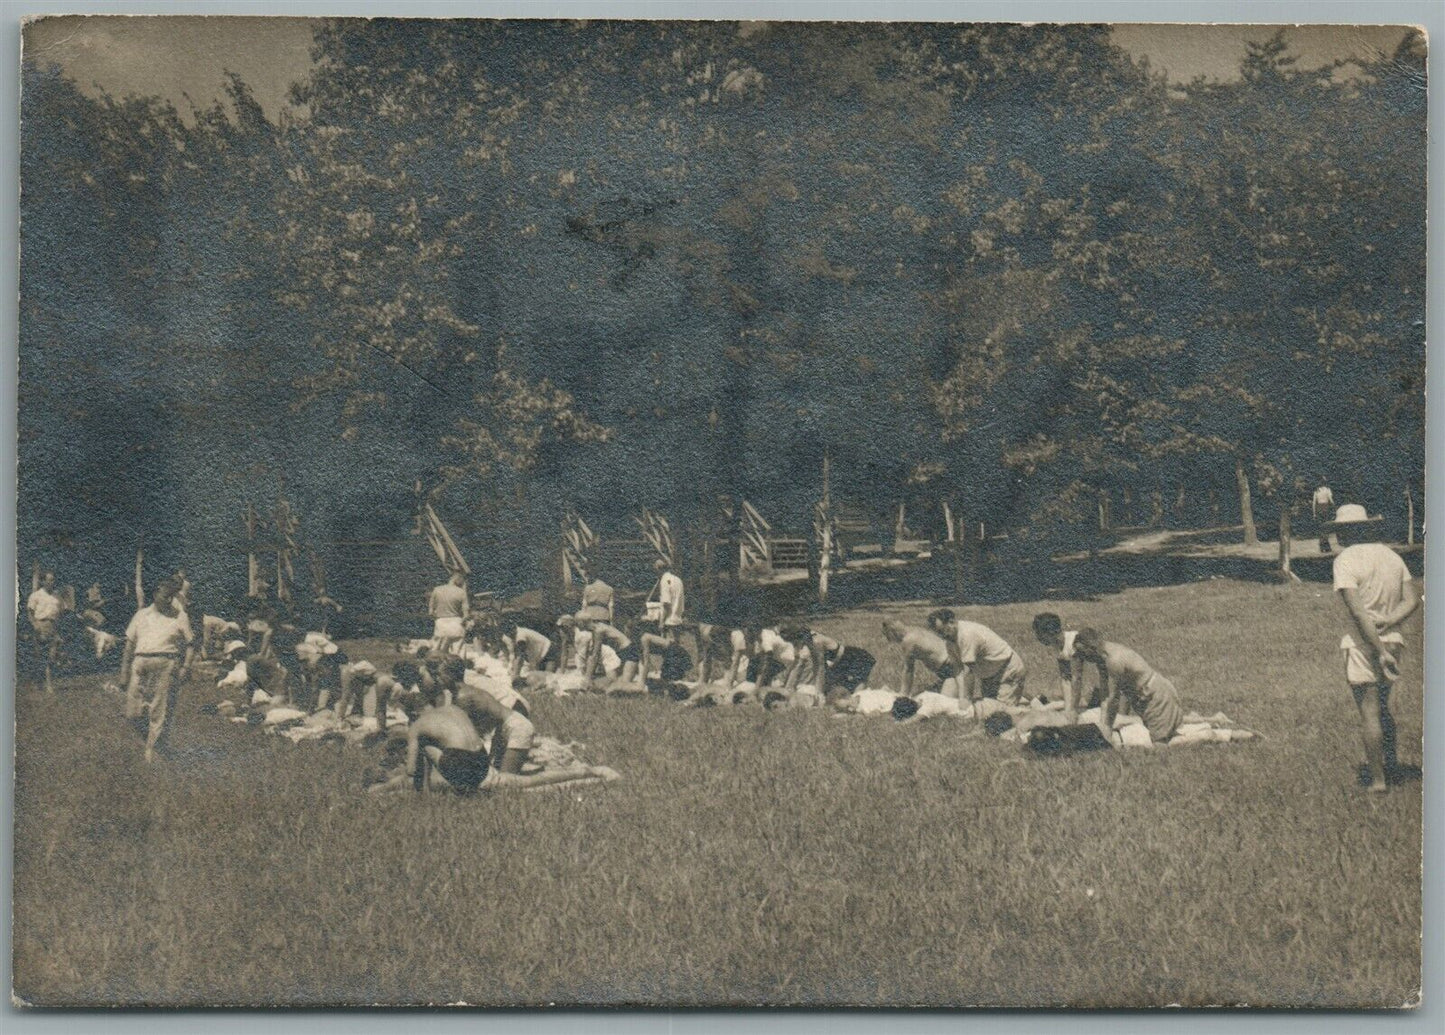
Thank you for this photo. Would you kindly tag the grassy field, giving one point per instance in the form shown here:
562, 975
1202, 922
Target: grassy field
752, 858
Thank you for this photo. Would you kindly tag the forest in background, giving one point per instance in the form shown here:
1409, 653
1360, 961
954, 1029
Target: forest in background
606, 265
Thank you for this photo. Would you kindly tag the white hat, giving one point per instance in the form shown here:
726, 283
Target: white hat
234, 646
363, 668
1352, 514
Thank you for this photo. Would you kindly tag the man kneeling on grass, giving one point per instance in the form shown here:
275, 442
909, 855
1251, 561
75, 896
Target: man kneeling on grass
989, 667
445, 752
922, 647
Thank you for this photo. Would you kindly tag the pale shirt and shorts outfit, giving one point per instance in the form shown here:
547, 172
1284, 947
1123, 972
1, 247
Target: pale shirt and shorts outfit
1378, 576
999, 669
160, 641
670, 595
44, 608
449, 608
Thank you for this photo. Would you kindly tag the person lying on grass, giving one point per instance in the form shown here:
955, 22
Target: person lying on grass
836, 669
1375, 588
445, 752
925, 647
989, 666
1124, 675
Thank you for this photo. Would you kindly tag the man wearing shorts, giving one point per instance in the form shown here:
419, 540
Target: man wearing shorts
445, 752
44, 607
1375, 587
991, 668
449, 608
159, 649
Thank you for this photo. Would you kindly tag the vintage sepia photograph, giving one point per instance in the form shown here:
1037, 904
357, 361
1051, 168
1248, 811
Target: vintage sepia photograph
711, 513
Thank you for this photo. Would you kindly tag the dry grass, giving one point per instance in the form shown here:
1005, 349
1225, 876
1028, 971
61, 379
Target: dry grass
751, 858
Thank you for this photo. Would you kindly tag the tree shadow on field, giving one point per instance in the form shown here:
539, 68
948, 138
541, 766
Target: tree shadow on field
1006, 580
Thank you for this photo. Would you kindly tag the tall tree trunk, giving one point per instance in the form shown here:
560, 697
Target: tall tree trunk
1246, 509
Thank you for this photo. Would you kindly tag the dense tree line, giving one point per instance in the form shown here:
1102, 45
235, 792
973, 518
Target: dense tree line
536, 265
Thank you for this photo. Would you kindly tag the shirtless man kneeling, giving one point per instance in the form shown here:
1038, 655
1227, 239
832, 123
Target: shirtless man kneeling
922, 646
445, 752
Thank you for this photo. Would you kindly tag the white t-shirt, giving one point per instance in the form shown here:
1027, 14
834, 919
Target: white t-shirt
1066, 652
43, 605
155, 633
1378, 576
933, 705
669, 591
873, 702
980, 644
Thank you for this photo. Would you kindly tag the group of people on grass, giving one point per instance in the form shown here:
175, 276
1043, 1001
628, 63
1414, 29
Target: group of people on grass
450, 712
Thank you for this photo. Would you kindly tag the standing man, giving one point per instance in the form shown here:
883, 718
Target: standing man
159, 649
1320, 504
44, 607
183, 590
990, 667
670, 596
450, 608
1378, 595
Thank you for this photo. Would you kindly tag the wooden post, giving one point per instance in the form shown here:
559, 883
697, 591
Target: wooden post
1410, 516
253, 567
1246, 507
825, 562
948, 525
1284, 547
140, 593
34, 576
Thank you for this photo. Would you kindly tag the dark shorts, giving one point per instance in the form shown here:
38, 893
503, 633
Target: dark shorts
676, 663
947, 671
464, 770
553, 657
851, 668
632, 652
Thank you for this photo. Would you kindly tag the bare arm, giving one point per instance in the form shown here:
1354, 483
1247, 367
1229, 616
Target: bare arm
908, 663
1407, 608
413, 750
1075, 693
1110, 708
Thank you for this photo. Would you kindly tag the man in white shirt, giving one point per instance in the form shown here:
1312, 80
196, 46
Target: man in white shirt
670, 595
44, 607
1320, 505
990, 667
449, 607
1375, 587
159, 649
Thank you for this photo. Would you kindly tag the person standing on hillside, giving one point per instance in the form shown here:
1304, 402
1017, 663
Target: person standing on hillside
1378, 595
449, 607
159, 649
1320, 504
989, 666
44, 608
